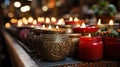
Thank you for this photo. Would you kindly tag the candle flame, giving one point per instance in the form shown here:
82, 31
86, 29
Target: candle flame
50, 27
89, 35
53, 19
13, 20
47, 20
78, 25
41, 19
34, 22
111, 22
83, 25
20, 23
24, 20
57, 27
69, 31
7, 25
32, 26
43, 26
30, 19
61, 22
99, 22
76, 19
70, 19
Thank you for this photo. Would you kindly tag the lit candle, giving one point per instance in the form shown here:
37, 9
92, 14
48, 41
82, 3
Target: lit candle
85, 29
53, 19
99, 22
34, 22
101, 25
70, 19
30, 20
49, 27
57, 27
111, 24
20, 23
69, 30
76, 19
90, 48
24, 20
7, 25
43, 26
41, 19
61, 22
47, 20
78, 25
83, 25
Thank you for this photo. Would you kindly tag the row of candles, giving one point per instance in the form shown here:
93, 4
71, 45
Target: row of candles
90, 48
79, 25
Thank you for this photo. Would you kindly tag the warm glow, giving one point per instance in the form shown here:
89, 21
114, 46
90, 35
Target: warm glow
30, 19
111, 22
47, 20
99, 22
20, 23
22, 9
13, 20
7, 25
40, 19
61, 22
44, 8
43, 26
50, 27
70, 19
89, 35
69, 31
27, 8
34, 22
32, 26
24, 20
83, 25
78, 25
53, 19
10, 15
57, 27
17, 4
76, 19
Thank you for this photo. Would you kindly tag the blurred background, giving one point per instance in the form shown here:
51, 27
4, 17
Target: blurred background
47, 8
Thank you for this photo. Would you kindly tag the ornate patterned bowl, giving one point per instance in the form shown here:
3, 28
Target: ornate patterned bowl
52, 47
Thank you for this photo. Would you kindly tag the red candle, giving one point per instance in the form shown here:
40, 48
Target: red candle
90, 48
112, 47
85, 29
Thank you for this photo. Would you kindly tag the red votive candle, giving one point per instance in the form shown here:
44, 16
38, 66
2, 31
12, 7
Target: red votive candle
112, 48
87, 29
90, 48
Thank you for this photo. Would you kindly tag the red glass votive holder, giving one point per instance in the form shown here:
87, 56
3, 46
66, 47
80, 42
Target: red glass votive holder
88, 29
90, 48
111, 47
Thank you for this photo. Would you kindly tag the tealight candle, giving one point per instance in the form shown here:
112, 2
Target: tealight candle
90, 48
34, 22
40, 19
47, 20
30, 20
7, 25
61, 22
19, 23
53, 19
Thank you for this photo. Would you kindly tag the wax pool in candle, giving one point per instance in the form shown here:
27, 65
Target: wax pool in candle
85, 29
90, 48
